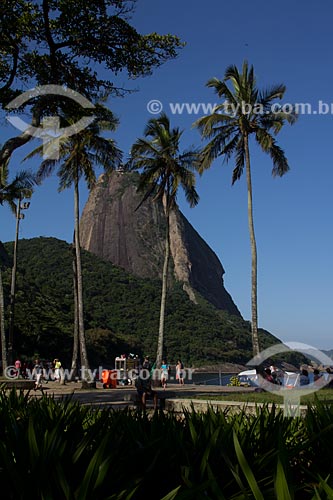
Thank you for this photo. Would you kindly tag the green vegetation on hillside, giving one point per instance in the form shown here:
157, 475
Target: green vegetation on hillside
121, 312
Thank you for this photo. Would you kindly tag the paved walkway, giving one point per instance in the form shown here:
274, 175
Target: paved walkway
120, 397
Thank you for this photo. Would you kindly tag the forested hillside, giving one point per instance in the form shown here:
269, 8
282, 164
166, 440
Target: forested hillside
121, 312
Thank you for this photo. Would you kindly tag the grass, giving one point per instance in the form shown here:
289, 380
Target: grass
324, 395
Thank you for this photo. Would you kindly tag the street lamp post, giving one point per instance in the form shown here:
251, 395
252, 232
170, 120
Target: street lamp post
19, 216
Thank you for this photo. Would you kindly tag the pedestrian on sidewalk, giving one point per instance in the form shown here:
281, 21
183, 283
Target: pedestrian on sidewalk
164, 373
37, 374
180, 372
57, 367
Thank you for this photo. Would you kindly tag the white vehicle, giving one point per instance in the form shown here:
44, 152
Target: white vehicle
249, 377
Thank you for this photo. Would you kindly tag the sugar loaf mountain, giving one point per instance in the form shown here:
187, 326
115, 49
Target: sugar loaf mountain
114, 230
122, 257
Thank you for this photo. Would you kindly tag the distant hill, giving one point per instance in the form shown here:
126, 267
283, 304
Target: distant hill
121, 312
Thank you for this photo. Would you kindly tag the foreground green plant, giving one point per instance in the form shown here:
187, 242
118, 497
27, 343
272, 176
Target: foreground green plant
59, 449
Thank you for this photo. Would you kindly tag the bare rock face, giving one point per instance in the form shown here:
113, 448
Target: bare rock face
113, 229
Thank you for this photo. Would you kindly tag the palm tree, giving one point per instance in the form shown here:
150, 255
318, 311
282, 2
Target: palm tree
245, 111
75, 354
164, 169
2, 326
10, 191
78, 156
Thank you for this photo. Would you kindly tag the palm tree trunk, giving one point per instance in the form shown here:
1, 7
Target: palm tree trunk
2, 326
74, 366
254, 284
82, 340
164, 292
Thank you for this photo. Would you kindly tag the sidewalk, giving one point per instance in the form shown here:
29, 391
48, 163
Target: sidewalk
120, 396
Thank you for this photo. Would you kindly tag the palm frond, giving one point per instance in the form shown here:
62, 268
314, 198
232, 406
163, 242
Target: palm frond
221, 89
24, 179
80, 153
21, 186
230, 147
264, 139
280, 162
150, 190
225, 132
232, 73
190, 159
239, 163
251, 79
276, 120
208, 125
163, 168
184, 176
266, 96
215, 148
90, 177
191, 196
35, 152
156, 127
46, 168
150, 174
141, 148
106, 119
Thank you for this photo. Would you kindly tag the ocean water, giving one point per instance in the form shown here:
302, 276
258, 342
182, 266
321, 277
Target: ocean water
211, 378
203, 378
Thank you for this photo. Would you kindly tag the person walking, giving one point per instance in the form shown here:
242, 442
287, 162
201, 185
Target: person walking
143, 386
304, 377
164, 373
18, 365
180, 372
38, 373
57, 367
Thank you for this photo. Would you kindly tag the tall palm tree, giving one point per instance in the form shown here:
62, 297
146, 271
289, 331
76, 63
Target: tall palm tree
75, 354
245, 112
164, 170
78, 157
11, 193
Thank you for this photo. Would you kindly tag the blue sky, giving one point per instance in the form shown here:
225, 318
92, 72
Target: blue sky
286, 44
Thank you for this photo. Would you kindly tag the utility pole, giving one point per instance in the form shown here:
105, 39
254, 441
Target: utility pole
20, 206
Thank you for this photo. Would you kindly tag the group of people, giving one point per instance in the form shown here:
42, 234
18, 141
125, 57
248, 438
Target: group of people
276, 376
273, 375
38, 370
319, 378
166, 369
